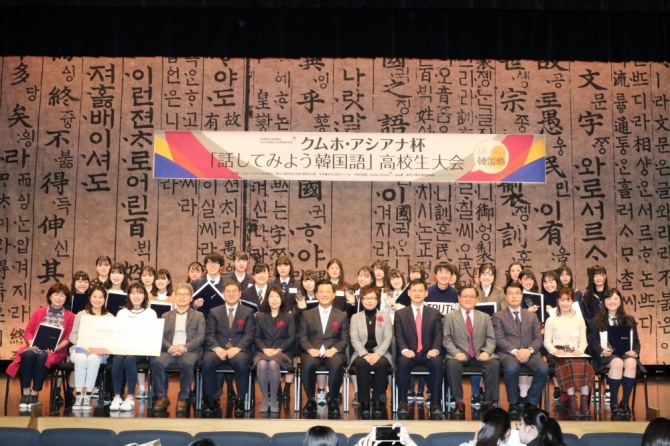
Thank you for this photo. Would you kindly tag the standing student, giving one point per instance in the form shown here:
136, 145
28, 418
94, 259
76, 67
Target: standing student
213, 263
239, 273
86, 363
487, 291
162, 290
364, 277
118, 280
258, 292
182, 346
389, 299
513, 271
103, 265
194, 272
381, 269
33, 362
284, 277
137, 307
335, 273
274, 340
148, 278
442, 291
590, 303
81, 284
621, 367
567, 280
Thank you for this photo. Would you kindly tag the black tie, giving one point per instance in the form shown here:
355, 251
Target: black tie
517, 320
284, 286
613, 322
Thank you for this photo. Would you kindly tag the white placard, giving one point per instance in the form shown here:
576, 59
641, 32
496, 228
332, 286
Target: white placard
113, 336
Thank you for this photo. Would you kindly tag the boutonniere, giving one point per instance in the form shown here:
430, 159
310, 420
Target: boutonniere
380, 320
280, 323
240, 324
336, 327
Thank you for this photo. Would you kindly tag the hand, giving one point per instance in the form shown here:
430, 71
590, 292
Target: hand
631, 353
232, 351
199, 302
534, 309
302, 304
314, 352
559, 352
270, 351
577, 353
408, 353
607, 352
522, 355
432, 353
332, 351
483, 356
460, 357
221, 353
371, 358
351, 299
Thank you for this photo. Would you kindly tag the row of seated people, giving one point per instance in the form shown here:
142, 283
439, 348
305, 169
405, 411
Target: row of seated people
229, 335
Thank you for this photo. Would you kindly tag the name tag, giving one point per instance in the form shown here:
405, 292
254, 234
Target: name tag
574, 333
293, 290
339, 293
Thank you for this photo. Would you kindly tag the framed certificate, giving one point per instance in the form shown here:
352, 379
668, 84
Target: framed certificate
487, 307
534, 300
115, 301
211, 297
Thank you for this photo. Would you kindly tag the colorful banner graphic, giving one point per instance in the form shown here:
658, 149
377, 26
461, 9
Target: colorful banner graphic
349, 156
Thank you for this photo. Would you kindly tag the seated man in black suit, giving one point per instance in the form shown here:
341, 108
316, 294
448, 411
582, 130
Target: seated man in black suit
323, 337
229, 338
418, 337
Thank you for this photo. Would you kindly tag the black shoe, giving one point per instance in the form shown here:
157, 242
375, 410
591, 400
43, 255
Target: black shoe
333, 407
232, 397
513, 412
625, 411
239, 405
366, 408
557, 394
58, 400
378, 408
212, 404
310, 407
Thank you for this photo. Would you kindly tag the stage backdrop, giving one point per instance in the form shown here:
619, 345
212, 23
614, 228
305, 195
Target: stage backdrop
76, 159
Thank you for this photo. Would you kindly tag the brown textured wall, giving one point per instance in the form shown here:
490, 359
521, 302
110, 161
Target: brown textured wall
76, 158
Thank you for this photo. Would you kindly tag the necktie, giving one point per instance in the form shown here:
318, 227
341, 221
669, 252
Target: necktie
260, 296
613, 322
468, 326
419, 343
284, 285
212, 282
517, 320
231, 316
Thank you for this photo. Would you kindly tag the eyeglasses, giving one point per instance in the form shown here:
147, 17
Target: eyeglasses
182, 294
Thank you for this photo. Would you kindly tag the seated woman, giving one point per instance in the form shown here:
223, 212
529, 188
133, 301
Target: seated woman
136, 307
495, 429
87, 364
371, 332
621, 368
565, 338
31, 361
274, 340
538, 429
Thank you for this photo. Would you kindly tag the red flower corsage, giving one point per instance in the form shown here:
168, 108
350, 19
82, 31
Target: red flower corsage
240, 324
336, 327
380, 320
280, 323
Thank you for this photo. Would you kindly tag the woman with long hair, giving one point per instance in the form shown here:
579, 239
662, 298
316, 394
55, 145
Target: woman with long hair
494, 430
537, 428
621, 368
590, 303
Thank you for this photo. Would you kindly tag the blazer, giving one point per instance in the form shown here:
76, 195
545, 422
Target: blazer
246, 282
456, 335
288, 295
383, 335
404, 329
251, 295
311, 335
275, 332
496, 295
195, 330
594, 347
508, 336
218, 334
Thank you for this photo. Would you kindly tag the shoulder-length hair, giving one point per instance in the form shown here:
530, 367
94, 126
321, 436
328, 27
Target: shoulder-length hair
120, 268
162, 274
89, 307
265, 306
564, 292
137, 286
59, 288
341, 284
601, 318
80, 275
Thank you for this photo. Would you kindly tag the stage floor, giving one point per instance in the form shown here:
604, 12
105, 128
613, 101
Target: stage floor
658, 388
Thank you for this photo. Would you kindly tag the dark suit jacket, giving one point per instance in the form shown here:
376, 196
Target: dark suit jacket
404, 329
508, 336
311, 334
293, 284
275, 333
241, 335
246, 282
456, 335
251, 295
195, 330
197, 283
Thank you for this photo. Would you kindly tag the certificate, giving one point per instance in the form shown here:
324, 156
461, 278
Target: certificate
160, 307
79, 302
115, 301
534, 300
211, 298
620, 339
112, 336
47, 337
487, 307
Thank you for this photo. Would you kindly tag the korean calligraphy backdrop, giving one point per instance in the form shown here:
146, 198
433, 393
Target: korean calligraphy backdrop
76, 171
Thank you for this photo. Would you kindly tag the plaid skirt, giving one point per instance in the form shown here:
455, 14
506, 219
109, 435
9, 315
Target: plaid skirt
572, 372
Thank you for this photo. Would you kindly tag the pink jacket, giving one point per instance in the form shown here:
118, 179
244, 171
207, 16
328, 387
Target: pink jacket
35, 320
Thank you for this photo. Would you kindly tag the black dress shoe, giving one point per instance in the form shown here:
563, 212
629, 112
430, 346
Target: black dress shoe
333, 407
310, 407
436, 409
239, 405
365, 408
460, 408
212, 404
513, 412
403, 409
487, 405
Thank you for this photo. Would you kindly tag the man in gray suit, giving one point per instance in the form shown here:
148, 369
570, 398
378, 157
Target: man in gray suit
470, 341
183, 339
518, 342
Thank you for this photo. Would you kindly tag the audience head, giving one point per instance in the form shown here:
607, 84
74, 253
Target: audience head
495, 428
536, 423
320, 436
657, 433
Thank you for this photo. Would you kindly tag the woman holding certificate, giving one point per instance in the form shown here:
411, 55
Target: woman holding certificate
47, 337
87, 364
615, 346
565, 340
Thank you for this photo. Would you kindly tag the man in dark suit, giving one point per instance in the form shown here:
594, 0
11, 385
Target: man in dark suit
323, 337
418, 337
229, 338
470, 341
518, 341
183, 339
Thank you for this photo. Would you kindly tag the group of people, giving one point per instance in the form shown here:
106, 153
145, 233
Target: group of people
242, 321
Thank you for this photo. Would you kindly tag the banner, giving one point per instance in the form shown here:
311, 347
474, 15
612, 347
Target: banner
114, 336
420, 157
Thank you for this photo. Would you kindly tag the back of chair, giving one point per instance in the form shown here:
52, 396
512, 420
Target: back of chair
449, 438
295, 439
23, 436
167, 438
418, 439
611, 439
571, 440
235, 438
77, 437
